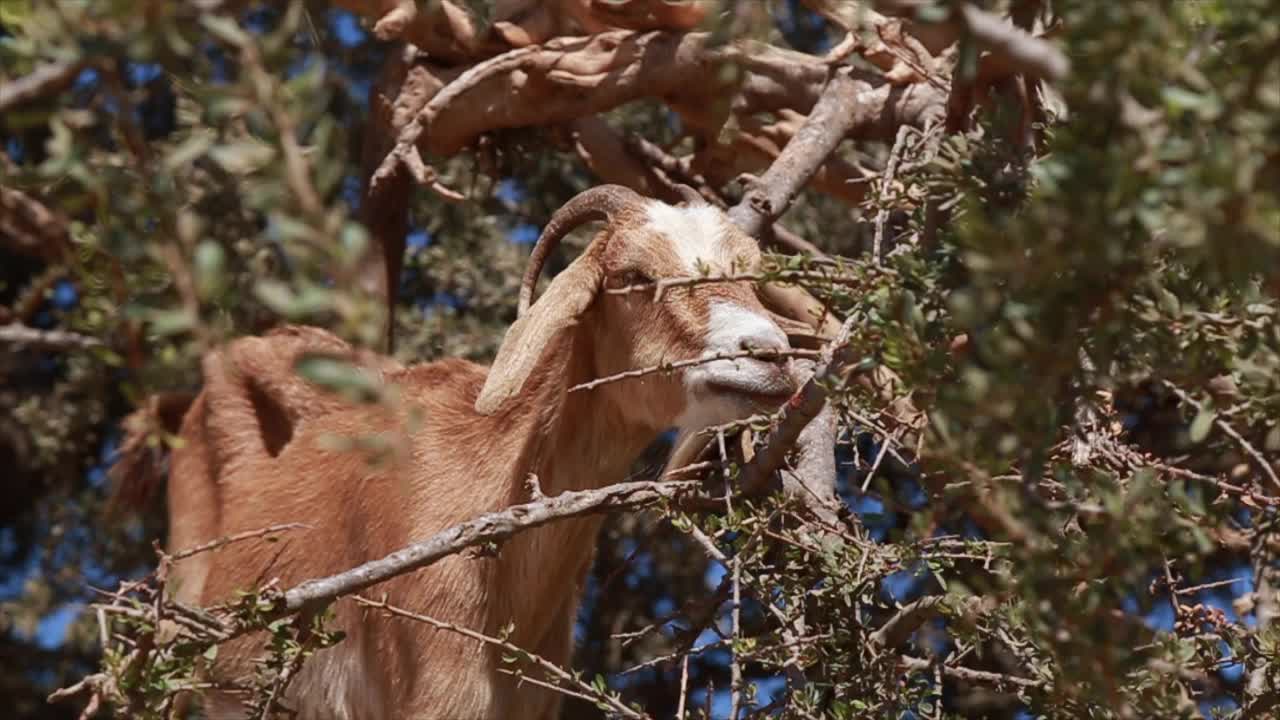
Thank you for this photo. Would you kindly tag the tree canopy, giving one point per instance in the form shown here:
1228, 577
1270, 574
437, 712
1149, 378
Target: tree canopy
1047, 230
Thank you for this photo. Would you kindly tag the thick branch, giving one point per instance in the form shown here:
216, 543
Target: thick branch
1021, 49
817, 138
911, 616
801, 409
1008, 45
570, 78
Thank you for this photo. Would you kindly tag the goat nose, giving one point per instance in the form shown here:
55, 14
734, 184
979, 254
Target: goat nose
733, 328
750, 344
764, 339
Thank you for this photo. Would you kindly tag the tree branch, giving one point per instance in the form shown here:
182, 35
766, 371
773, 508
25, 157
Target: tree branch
1019, 48
23, 336
552, 669
31, 228
911, 616
768, 197
804, 407
48, 79
569, 78
492, 527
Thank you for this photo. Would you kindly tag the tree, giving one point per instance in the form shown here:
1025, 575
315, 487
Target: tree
1048, 230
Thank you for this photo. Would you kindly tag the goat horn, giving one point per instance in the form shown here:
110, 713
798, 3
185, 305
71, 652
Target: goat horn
604, 202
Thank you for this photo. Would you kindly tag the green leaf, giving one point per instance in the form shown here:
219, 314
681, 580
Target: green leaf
14, 12
193, 147
170, 322
210, 264
1203, 423
339, 376
225, 29
275, 295
244, 157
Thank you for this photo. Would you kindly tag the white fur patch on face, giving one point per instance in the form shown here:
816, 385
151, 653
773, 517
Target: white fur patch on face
732, 328
695, 233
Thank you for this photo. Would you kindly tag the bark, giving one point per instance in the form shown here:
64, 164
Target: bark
571, 78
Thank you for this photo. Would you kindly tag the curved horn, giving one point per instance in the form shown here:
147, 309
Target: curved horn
603, 202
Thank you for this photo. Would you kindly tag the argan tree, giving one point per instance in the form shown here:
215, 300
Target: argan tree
1034, 470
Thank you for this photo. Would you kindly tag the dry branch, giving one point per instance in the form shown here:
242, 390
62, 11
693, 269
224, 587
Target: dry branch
492, 527
570, 78
30, 228
801, 409
678, 364
48, 79
1019, 48
833, 115
1008, 45
974, 676
898, 629
30, 337
559, 673
238, 537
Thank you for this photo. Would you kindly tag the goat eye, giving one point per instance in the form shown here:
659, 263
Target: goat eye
629, 278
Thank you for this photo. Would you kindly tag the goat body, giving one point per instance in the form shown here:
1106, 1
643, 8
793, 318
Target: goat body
260, 450
359, 511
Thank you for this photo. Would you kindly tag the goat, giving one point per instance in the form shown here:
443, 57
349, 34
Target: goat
253, 456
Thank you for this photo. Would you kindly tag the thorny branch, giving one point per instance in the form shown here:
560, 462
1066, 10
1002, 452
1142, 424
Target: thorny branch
832, 116
492, 527
565, 679
29, 337
678, 364
801, 409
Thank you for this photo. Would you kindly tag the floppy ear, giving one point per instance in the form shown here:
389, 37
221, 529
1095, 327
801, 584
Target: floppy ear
538, 331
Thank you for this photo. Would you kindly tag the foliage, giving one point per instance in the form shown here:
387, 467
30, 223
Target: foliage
1067, 508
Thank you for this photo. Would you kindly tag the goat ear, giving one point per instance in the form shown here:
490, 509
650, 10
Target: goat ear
536, 332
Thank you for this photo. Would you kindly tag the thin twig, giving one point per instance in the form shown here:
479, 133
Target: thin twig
763, 354
238, 537
735, 688
884, 449
1208, 586
551, 668
297, 170
684, 687
1232, 433
24, 336
786, 276
886, 187
975, 676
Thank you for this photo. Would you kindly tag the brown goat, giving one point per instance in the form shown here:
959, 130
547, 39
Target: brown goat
466, 440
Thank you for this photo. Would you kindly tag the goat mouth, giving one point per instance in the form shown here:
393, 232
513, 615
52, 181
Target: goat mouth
757, 394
